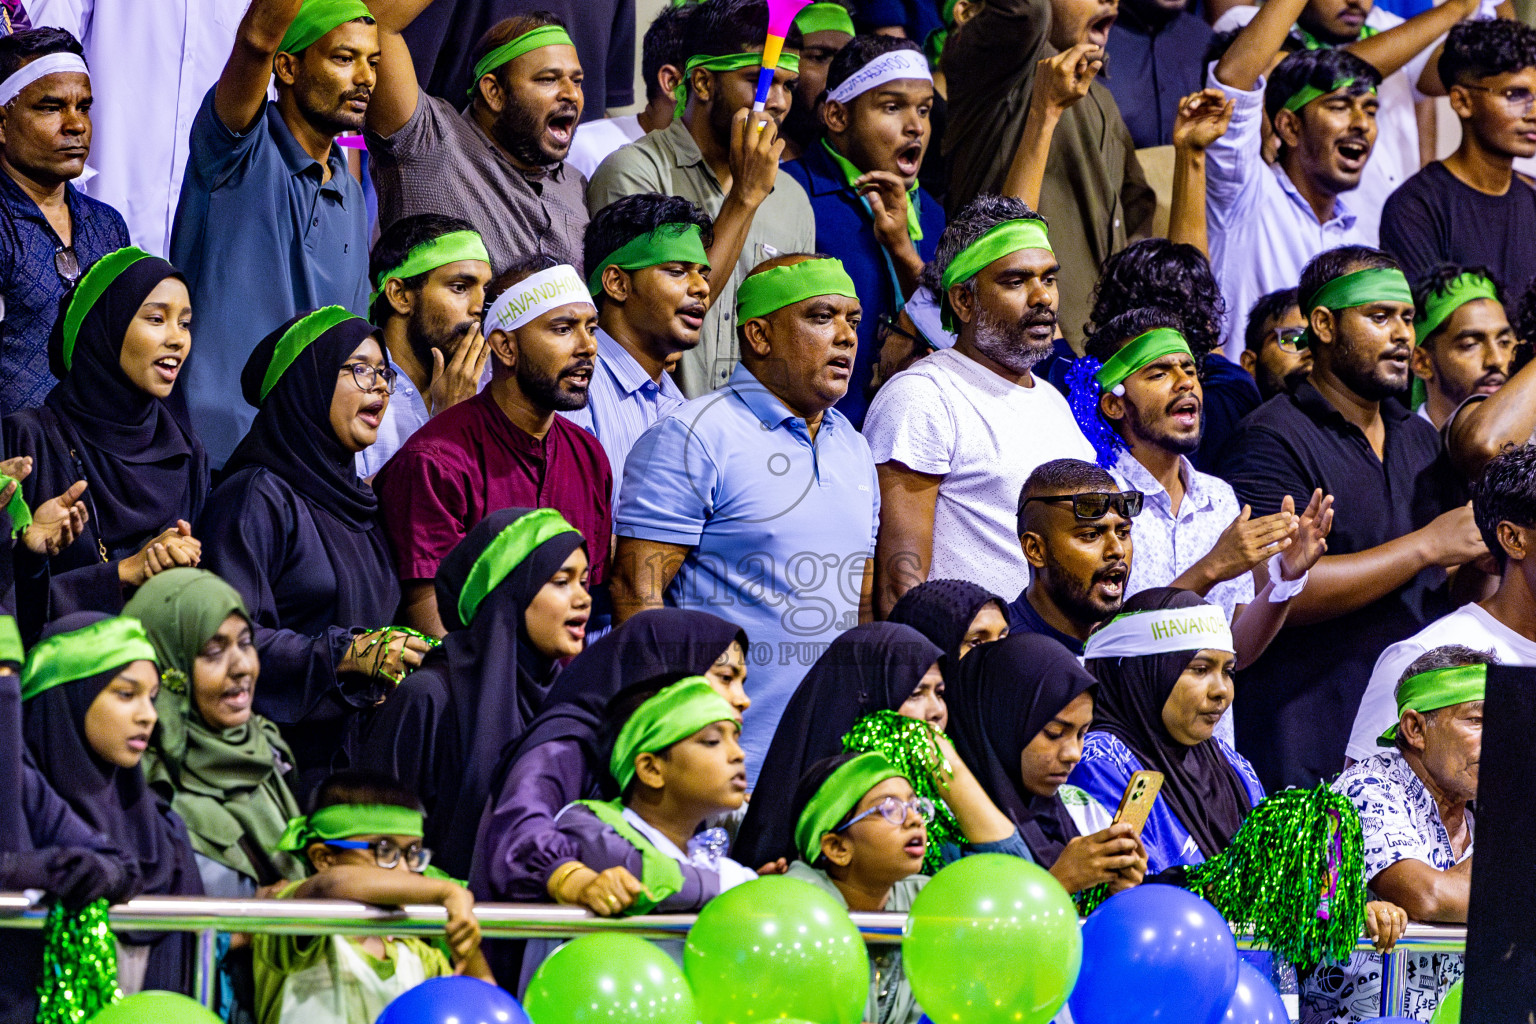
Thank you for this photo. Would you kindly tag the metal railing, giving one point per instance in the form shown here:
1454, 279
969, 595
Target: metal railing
210, 917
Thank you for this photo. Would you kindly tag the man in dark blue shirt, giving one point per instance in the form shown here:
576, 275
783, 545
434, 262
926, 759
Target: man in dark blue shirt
862, 182
1079, 555
50, 233
1156, 57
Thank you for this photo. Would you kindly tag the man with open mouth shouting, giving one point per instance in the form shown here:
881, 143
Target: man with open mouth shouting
506, 149
862, 180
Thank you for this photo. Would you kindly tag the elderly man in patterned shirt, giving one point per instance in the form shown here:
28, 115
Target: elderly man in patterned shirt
1413, 801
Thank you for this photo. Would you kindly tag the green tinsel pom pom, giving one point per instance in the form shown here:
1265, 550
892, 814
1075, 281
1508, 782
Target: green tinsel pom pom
1293, 876
911, 745
79, 966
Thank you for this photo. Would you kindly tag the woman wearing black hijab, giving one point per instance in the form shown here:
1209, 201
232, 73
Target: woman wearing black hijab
560, 758
88, 709
1019, 709
1157, 709
873, 667
955, 614
294, 530
123, 332
512, 595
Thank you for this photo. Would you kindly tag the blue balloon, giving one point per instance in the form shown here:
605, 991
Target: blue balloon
1255, 1000
458, 999
1155, 954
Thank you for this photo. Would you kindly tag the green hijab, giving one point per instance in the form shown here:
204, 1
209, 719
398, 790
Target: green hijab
226, 785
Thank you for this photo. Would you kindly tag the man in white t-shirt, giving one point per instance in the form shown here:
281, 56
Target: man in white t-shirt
957, 434
1504, 625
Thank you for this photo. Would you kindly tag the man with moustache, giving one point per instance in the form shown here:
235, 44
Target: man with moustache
956, 434
1274, 351
271, 222
500, 163
1347, 432
1074, 528
429, 274
760, 500
505, 447
861, 177
648, 272
1463, 343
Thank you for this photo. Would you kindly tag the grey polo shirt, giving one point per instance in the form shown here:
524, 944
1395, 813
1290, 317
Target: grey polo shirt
669, 161
260, 237
441, 162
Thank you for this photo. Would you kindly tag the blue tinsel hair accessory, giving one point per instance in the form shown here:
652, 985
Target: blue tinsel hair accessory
1083, 393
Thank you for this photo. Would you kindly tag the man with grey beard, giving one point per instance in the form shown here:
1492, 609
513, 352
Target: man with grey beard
958, 433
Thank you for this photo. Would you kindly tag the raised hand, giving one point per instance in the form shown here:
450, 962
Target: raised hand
1062, 80
1202, 118
1311, 534
754, 157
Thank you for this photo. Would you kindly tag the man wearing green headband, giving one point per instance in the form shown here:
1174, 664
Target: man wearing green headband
1464, 344
429, 274
363, 841
266, 187
1397, 527
729, 168
825, 28
1416, 826
946, 431
506, 151
648, 272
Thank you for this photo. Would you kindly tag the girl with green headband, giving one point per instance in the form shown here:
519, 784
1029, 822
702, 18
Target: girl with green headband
117, 348
861, 834
364, 841
88, 709
300, 537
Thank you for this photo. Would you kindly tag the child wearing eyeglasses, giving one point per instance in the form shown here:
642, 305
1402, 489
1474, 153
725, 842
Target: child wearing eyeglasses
861, 834
364, 841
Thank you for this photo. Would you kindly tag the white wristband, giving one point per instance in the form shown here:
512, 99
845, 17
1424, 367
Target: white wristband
1280, 588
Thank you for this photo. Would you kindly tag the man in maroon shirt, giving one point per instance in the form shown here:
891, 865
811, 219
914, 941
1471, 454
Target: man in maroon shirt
505, 448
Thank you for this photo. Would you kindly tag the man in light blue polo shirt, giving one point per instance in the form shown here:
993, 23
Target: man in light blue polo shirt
759, 502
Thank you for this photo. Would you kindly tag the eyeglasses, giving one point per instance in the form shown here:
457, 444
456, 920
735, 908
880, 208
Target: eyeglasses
1517, 100
66, 264
1291, 339
387, 854
1097, 504
888, 326
895, 811
368, 377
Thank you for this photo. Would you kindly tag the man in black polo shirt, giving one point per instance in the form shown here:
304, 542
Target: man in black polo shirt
1346, 430
1079, 556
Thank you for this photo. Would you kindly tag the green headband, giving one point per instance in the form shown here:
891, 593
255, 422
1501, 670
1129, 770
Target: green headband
299, 337
544, 35
1440, 305
727, 62
1358, 289
824, 18
343, 821
771, 290
1435, 689
1143, 349
1004, 239
11, 651
1307, 93
837, 798
670, 243
316, 18
674, 714
91, 287
513, 544
438, 252
16, 508
67, 657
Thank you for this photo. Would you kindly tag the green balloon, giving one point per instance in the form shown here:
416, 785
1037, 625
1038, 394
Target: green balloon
992, 939
612, 978
1449, 1010
773, 948
160, 1007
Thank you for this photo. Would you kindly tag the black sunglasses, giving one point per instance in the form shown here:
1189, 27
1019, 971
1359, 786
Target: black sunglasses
1097, 504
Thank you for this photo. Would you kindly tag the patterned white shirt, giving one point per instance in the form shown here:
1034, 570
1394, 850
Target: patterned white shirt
1400, 821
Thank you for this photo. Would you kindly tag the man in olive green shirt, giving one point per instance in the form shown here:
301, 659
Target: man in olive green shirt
713, 157
1094, 194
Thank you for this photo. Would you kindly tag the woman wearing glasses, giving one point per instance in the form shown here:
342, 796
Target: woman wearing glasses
110, 439
299, 536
